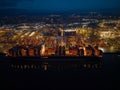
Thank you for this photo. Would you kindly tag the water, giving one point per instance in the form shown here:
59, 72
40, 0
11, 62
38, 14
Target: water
84, 74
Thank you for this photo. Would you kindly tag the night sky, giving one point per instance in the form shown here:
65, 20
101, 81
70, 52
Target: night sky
59, 5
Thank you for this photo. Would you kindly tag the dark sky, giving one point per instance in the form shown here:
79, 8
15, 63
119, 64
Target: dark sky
59, 5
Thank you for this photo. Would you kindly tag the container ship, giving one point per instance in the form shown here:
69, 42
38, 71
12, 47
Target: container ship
65, 45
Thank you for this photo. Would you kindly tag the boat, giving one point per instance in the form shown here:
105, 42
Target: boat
54, 57
59, 53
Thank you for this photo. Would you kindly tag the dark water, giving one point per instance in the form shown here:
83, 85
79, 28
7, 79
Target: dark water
83, 74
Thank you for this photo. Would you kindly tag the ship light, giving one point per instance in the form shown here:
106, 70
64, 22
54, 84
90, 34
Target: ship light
102, 49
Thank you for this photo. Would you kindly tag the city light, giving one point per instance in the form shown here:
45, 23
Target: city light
73, 32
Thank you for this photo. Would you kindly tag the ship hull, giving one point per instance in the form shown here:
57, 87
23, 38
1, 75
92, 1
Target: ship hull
57, 58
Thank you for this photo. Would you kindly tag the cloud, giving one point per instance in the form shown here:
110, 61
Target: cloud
11, 3
58, 4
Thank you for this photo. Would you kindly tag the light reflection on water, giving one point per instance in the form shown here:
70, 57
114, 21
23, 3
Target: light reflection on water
56, 66
54, 74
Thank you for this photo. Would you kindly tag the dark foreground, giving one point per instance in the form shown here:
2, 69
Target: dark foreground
83, 74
